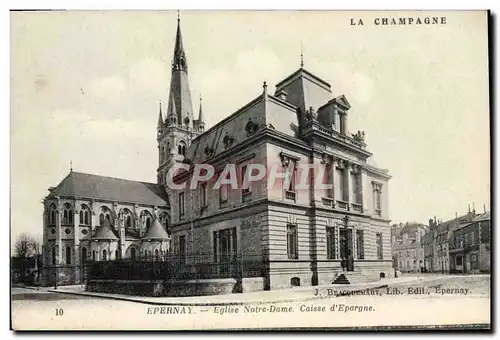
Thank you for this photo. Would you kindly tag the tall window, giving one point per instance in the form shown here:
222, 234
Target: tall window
181, 204
157, 255
292, 241
67, 214
203, 195
360, 244
380, 250
117, 255
377, 199
356, 187
343, 193
101, 219
128, 223
331, 251
84, 215
329, 173
225, 244
181, 148
52, 215
68, 255
132, 254
243, 178
93, 255
104, 255
223, 193
290, 176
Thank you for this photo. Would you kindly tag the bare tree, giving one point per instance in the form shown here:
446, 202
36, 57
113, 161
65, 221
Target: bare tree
26, 246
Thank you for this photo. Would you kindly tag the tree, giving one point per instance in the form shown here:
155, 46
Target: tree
26, 246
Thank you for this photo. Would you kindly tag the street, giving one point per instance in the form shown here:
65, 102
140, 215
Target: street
449, 300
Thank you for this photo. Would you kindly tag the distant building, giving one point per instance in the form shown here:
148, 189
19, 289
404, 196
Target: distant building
470, 246
407, 248
437, 240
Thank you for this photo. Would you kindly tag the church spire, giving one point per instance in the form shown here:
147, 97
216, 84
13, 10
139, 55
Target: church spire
160, 118
179, 61
180, 94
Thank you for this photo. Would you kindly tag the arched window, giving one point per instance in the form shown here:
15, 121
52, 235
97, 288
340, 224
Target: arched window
145, 254
67, 214
52, 215
181, 148
54, 256
108, 217
132, 254
101, 219
68, 255
129, 222
84, 215
104, 255
93, 255
148, 222
84, 254
157, 255
117, 255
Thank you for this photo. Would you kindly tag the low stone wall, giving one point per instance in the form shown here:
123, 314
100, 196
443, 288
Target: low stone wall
176, 288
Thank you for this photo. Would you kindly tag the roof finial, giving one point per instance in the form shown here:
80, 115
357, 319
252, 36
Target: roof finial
178, 16
301, 55
71, 166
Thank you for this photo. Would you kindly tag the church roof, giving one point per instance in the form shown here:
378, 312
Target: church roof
105, 232
78, 184
156, 232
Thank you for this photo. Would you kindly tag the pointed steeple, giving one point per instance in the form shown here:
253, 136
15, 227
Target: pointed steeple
200, 124
179, 61
172, 112
180, 95
160, 118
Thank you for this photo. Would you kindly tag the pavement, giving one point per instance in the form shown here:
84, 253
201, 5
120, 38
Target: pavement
256, 298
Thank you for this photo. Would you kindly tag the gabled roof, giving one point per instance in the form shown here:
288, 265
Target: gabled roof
105, 232
78, 184
156, 232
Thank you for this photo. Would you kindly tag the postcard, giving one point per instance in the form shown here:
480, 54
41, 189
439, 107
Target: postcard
250, 170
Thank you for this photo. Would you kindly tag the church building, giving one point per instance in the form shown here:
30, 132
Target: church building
300, 236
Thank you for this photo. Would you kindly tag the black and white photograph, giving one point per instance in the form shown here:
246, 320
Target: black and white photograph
250, 170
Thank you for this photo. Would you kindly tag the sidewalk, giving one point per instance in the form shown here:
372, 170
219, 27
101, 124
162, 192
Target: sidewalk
252, 298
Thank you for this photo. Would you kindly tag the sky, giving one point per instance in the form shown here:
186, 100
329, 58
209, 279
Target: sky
86, 86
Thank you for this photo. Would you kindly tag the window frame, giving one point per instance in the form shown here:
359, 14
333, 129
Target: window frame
292, 241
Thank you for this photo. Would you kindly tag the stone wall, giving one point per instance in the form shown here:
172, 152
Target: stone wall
176, 288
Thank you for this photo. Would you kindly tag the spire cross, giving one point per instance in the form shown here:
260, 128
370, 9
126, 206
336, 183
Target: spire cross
178, 15
71, 165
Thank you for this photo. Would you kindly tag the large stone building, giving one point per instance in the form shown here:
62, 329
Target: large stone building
300, 235
407, 248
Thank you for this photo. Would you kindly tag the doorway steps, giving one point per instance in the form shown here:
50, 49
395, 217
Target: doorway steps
352, 278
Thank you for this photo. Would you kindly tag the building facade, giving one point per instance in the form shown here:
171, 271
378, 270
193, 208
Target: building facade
438, 240
90, 217
407, 246
302, 235
470, 246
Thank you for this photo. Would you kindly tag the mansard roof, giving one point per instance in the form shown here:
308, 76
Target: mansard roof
156, 232
77, 184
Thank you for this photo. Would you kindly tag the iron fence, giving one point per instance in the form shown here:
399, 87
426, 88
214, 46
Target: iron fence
178, 267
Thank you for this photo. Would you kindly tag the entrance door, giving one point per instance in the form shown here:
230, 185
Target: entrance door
346, 248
